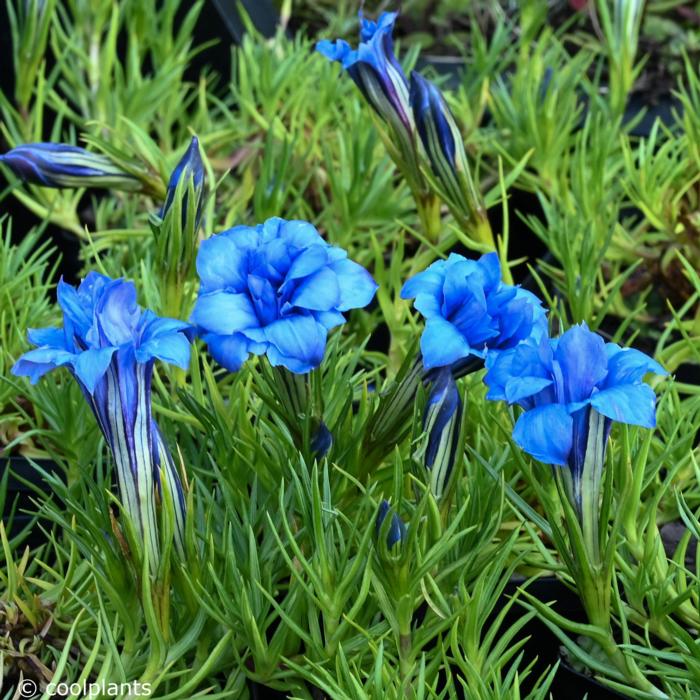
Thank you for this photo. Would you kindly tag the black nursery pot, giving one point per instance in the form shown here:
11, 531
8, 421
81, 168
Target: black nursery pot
21, 496
544, 647
258, 691
570, 683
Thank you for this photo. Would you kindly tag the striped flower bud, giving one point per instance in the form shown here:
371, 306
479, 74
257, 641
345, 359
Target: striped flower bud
62, 166
189, 168
442, 422
397, 528
444, 147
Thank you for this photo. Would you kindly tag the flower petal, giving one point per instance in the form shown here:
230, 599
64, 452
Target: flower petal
330, 319
91, 365
429, 281
223, 313
499, 370
296, 233
518, 387
309, 261
545, 433
634, 404
442, 344
396, 529
357, 287
230, 351
627, 365
428, 305
334, 50
263, 299
173, 348
156, 327
220, 260
73, 307
490, 267
462, 283
297, 342
117, 312
319, 292
583, 361
51, 337
36, 363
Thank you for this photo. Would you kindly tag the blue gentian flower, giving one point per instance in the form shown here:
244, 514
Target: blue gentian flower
376, 72
61, 165
441, 421
563, 383
470, 311
189, 166
275, 289
397, 528
110, 344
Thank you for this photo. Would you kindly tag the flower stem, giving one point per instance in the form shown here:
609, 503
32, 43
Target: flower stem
405, 665
404, 614
481, 231
428, 206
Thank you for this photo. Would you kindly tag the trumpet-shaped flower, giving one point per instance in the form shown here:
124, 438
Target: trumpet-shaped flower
64, 166
275, 289
563, 383
376, 72
469, 310
110, 344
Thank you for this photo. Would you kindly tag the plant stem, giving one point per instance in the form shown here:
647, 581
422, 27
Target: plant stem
405, 664
428, 206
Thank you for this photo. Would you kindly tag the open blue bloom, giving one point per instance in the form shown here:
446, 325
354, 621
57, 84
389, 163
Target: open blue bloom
469, 310
376, 72
189, 166
110, 344
565, 383
397, 528
441, 421
275, 289
61, 165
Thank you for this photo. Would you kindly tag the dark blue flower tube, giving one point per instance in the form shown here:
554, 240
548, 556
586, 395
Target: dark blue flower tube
110, 345
442, 421
61, 165
376, 72
397, 528
322, 440
572, 388
444, 147
275, 289
189, 168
